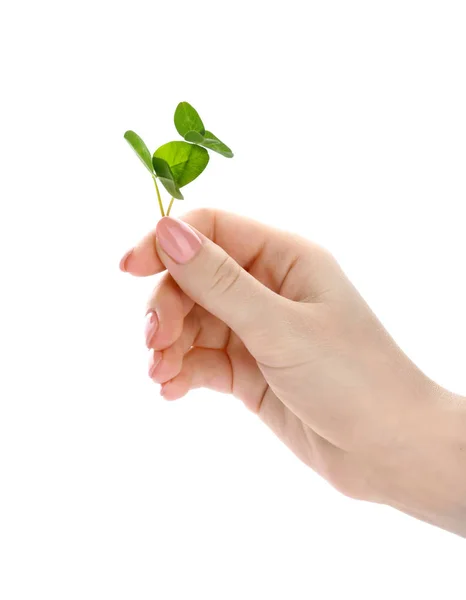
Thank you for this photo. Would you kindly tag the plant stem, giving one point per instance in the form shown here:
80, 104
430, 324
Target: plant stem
170, 206
158, 196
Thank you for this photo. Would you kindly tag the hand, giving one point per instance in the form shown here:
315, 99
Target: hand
271, 318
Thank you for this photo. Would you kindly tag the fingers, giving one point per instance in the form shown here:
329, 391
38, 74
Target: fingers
200, 330
168, 363
166, 310
243, 239
202, 367
213, 369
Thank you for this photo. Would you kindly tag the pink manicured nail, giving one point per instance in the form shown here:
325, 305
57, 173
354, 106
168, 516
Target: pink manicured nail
124, 260
177, 239
154, 359
152, 324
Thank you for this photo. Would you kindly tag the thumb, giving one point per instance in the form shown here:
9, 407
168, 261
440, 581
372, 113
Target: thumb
215, 281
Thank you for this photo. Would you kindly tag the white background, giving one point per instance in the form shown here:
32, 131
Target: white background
348, 124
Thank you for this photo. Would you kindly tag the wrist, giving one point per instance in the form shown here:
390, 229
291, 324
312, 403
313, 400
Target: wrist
425, 474
451, 411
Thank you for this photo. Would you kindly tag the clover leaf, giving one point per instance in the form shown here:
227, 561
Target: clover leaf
178, 163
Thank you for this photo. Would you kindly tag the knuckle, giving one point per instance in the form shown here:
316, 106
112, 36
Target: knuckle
204, 219
322, 252
226, 275
200, 214
324, 260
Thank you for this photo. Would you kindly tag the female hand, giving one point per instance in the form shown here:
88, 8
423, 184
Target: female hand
271, 318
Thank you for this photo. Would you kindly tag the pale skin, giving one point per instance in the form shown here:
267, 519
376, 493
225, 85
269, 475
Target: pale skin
270, 317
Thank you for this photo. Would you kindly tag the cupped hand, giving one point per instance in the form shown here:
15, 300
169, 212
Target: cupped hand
270, 317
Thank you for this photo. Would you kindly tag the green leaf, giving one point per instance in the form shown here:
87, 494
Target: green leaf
140, 148
195, 137
186, 161
188, 119
213, 143
165, 175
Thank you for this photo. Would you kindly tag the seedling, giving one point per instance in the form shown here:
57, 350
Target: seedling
178, 163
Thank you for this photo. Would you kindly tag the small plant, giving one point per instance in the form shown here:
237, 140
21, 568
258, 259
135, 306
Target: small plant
178, 163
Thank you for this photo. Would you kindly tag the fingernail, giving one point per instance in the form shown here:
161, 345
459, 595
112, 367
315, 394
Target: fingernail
152, 324
124, 261
154, 359
177, 239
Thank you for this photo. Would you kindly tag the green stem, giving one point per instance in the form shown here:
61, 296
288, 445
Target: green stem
170, 206
158, 196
